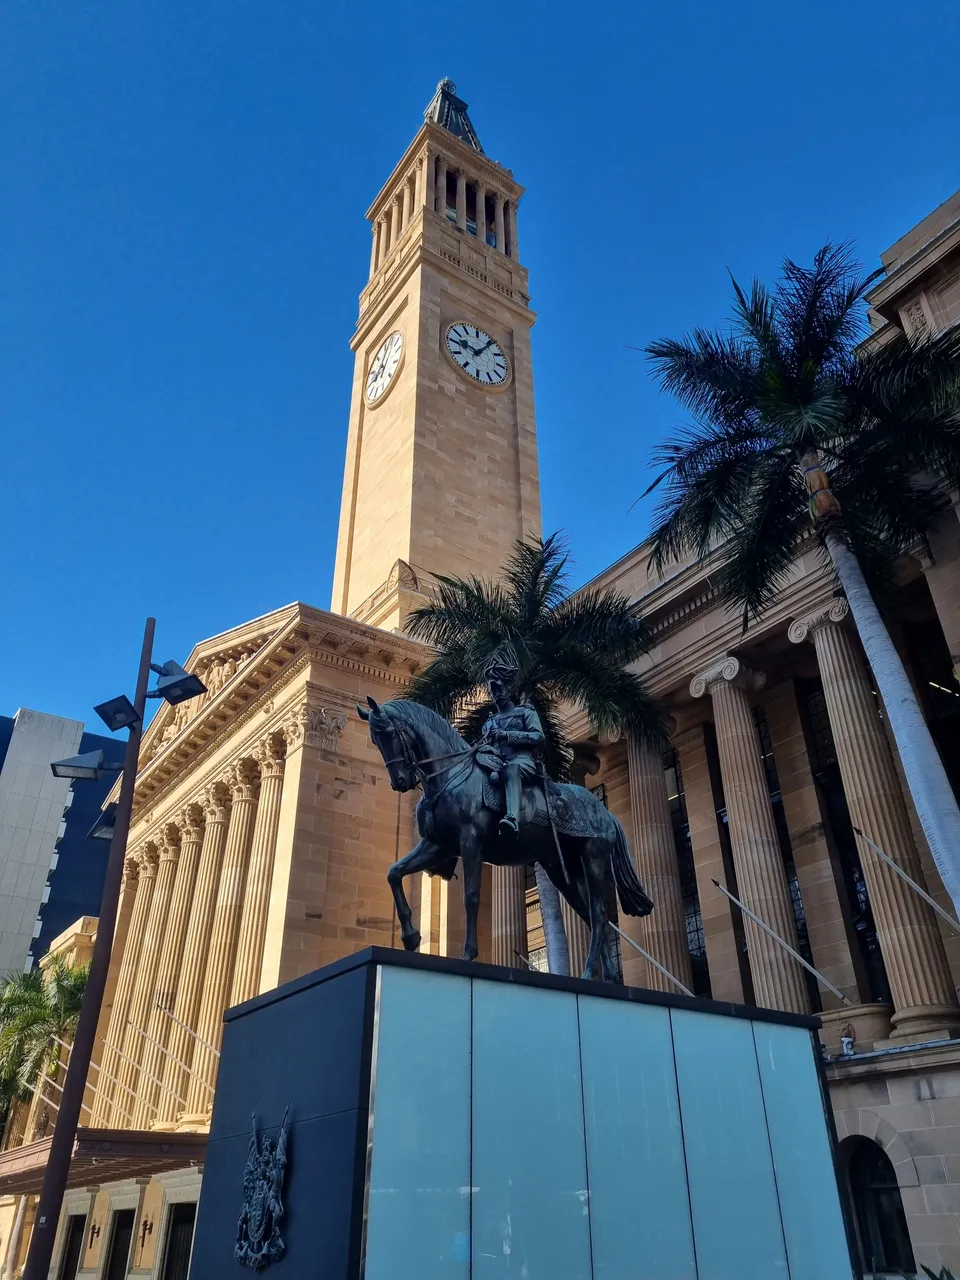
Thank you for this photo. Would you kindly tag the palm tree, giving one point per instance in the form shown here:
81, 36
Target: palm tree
795, 432
570, 649
36, 1010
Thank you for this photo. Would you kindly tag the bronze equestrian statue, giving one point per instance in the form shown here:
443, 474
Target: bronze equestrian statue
493, 803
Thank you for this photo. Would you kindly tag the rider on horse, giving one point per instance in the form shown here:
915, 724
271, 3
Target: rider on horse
512, 739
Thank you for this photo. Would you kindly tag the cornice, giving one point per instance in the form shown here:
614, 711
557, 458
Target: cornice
928, 258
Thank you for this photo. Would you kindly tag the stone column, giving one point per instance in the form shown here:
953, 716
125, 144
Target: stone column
407, 201
129, 1041
256, 898
509, 915
180, 1046
923, 994
430, 175
102, 1104
168, 972
461, 200
441, 195
664, 932
374, 246
223, 939
578, 938
498, 219
481, 213
512, 229
391, 232
777, 978
142, 999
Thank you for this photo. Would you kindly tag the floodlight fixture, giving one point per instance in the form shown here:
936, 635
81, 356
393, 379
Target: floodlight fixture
88, 766
104, 826
118, 713
175, 684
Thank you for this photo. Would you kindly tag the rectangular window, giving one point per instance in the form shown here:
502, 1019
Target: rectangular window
121, 1238
176, 1258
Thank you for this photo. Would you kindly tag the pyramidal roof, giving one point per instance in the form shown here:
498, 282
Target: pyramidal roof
450, 112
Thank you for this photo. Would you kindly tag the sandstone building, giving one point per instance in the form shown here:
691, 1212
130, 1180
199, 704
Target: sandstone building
264, 821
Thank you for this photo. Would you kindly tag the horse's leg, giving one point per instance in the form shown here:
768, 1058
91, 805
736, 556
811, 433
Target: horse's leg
595, 859
421, 857
472, 865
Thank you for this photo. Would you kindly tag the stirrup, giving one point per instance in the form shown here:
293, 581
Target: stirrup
509, 826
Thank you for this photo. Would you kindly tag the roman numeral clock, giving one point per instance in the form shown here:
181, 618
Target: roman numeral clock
477, 354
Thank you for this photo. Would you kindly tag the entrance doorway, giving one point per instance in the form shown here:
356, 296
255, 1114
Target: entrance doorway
176, 1261
882, 1236
121, 1237
73, 1246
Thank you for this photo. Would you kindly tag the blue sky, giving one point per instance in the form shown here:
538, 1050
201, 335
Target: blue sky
183, 243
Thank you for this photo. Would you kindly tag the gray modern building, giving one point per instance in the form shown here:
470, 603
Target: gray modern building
50, 873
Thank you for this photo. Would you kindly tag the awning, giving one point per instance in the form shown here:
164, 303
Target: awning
102, 1155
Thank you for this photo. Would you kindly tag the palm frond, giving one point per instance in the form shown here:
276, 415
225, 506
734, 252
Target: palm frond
600, 621
461, 607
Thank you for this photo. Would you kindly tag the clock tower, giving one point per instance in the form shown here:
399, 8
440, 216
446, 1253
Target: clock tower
441, 473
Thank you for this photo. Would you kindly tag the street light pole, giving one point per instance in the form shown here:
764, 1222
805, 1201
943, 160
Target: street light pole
57, 1170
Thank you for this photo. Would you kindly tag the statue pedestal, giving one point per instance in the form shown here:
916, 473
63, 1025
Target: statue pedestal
466, 1122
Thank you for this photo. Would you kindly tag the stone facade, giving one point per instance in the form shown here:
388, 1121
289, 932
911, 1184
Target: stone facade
264, 822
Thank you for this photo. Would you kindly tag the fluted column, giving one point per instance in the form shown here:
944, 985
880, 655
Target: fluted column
256, 897
430, 181
407, 201
167, 975
498, 220
664, 932
442, 186
129, 1041
777, 978
578, 938
461, 200
186, 1007
162, 864
481, 213
509, 915
223, 940
923, 993
512, 229
103, 1101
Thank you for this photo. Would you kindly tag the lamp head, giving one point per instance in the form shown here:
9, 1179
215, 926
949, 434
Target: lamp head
118, 713
102, 829
175, 684
87, 766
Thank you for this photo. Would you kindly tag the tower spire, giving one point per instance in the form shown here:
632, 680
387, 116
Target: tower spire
450, 112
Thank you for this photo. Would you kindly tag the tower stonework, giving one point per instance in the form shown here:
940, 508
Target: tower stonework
441, 472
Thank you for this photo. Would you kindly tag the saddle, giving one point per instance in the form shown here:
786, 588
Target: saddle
571, 816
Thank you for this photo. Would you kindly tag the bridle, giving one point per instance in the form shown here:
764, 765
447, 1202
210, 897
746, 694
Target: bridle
409, 759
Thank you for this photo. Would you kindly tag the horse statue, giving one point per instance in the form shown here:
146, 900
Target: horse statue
567, 830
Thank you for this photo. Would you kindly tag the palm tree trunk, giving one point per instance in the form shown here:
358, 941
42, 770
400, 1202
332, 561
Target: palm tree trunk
554, 934
13, 1246
927, 780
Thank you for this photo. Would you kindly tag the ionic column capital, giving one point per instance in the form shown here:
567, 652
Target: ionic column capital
727, 669
830, 614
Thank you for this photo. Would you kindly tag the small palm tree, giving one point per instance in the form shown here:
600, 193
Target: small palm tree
571, 648
794, 432
35, 1007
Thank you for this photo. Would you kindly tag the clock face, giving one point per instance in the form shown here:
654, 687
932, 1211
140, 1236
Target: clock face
477, 354
384, 366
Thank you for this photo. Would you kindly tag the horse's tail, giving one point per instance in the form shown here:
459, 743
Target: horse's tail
633, 897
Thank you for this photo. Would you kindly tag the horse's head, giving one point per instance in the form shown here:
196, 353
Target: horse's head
387, 737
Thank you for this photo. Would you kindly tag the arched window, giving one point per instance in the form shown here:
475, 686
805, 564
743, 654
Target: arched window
882, 1235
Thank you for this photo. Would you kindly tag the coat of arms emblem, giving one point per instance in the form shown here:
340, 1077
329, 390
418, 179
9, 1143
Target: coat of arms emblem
258, 1228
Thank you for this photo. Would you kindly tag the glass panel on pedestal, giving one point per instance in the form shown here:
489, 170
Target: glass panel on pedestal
733, 1192
419, 1194
639, 1207
530, 1202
